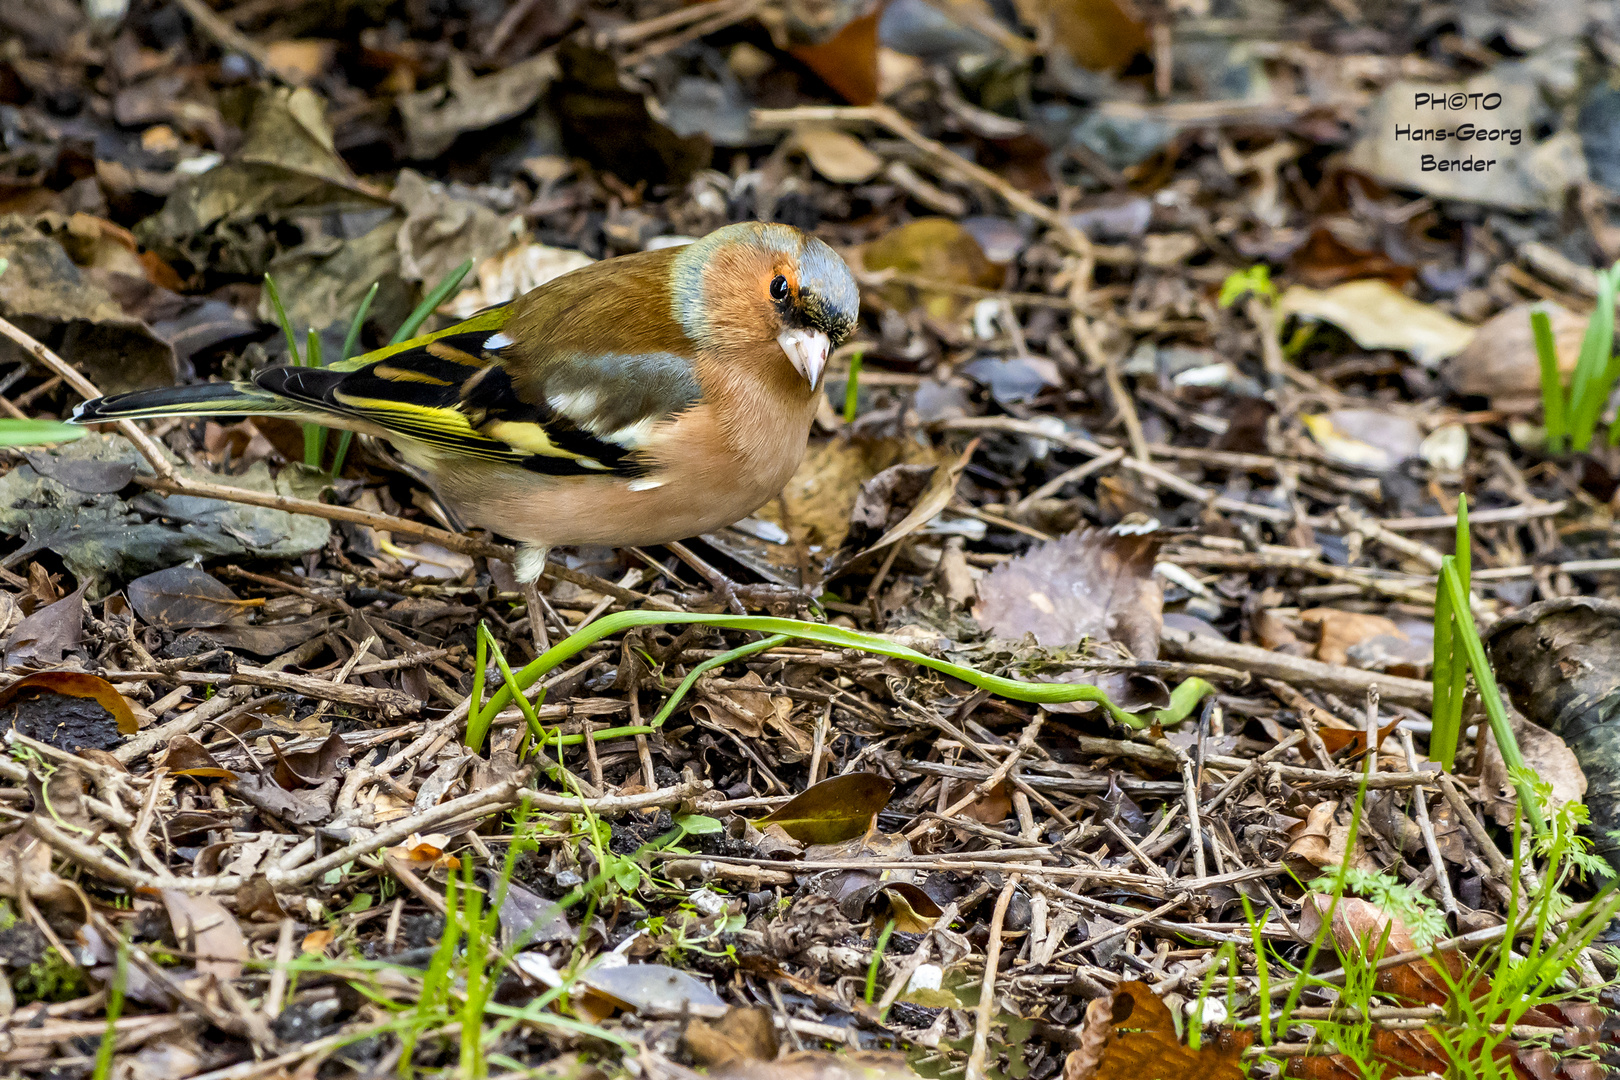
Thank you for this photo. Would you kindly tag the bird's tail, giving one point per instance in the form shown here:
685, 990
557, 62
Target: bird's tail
202, 399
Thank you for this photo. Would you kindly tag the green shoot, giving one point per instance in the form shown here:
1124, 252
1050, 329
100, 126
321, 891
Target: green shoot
314, 434
351, 342
478, 721
115, 1008
1458, 650
430, 303
852, 388
1016, 689
38, 432
1553, 403
281, 317
1571, 417
877, 960
1239, 283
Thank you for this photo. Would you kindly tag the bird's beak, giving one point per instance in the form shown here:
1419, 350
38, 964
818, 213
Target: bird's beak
807, 350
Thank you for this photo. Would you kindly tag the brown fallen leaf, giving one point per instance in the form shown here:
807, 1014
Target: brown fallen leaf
1103, 35
1343, 630
68, 709
1089, 584
936, 248
1501, 364
205, 927
741, 1035
848, 62
834, 810
1130, 1035
1545, 754
1312, 837
1324, 260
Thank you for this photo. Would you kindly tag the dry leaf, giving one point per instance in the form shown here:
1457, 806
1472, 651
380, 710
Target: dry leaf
1130, 1035
1343, 630
1501, 364
1103, 35
1545, 754
936, 248
1089, 584
834, 810
837, 155
68, 709
741, 1035
848, 63
1312, 837
1368, 438
1377, 315
205, 927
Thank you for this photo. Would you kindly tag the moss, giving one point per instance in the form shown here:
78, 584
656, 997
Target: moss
51, 978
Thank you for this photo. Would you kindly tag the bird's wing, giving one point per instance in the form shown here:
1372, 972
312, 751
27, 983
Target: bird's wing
469, 390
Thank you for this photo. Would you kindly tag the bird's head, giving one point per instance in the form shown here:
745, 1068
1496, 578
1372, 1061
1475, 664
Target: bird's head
755, 282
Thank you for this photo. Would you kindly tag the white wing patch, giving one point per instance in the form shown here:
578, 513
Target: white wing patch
498, 340
632, 436
576, 405
644, 485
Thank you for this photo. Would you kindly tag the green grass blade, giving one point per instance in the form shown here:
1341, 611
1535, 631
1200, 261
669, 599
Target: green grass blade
358, 323
1446, 712
314, 434
281, 317
38, 432
477, 723
441, 292
1594, 372
1553, 404
1464, 546
709, 665
511, 687
852, 389
1491, 697
1016, 689
115, 1007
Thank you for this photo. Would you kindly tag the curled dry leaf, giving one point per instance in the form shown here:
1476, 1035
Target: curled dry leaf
71, 710
913, 911
1312, 838
834, 810
1501, 364
1545, 754
1130, 1035
188, 757
43, 637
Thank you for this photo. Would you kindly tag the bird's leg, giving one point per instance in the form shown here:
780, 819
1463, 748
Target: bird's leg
528, 566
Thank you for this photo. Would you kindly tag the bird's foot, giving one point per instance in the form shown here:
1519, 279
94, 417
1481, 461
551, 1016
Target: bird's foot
730, 592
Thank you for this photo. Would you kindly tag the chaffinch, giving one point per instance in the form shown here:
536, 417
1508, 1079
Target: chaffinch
638, 400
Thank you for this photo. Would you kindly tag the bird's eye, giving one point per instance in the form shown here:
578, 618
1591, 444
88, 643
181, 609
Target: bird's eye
779, 288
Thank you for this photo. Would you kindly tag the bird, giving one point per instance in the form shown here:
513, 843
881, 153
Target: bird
635, 401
